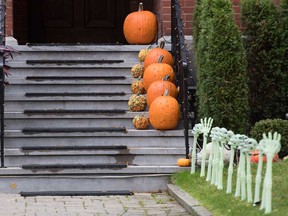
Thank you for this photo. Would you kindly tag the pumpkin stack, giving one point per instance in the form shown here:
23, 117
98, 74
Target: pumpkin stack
156, 78
158, 81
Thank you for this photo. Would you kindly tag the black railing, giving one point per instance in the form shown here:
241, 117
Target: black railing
181, 68
2, 76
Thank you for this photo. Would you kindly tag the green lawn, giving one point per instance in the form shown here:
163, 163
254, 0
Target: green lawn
221, 204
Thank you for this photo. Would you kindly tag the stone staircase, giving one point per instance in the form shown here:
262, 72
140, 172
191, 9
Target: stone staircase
68, 127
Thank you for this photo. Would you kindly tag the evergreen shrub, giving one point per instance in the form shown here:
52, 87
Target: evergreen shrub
222, 85
273, 125
267, 67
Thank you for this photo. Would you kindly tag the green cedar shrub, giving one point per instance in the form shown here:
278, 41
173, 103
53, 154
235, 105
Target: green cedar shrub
283, 108
272, 125
222, 82
196, 23
265, 58
203, 27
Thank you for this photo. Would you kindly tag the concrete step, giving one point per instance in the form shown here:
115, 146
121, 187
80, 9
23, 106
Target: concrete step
76, 80
62, 122
70, 72
72, 87
131, 156
131, 138
132, 178
79, 52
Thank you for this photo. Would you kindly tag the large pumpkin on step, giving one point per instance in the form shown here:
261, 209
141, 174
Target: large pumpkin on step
140, 27
164, 112
157, 89
154, 54
157, 71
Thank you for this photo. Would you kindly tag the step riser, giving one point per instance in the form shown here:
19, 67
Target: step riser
131, 56
84, 183
63, 123
144, 160
170, 142
23, 73
57, 88
18, 124
28, 105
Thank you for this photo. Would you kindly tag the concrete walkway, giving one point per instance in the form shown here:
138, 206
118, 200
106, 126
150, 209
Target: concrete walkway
138, 204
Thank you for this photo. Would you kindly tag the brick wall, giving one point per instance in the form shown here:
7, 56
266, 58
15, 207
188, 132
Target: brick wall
162, 8
9, 17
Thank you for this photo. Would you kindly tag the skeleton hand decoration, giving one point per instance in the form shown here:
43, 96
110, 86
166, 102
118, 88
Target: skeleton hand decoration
196, 131
270, 146
206, 126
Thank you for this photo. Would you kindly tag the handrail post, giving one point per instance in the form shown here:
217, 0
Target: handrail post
2, 77
179, 51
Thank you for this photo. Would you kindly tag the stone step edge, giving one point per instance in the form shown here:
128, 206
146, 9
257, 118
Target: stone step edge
129, 171
129, 133
11, 152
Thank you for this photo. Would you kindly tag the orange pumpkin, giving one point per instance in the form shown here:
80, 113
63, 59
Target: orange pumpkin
140, 122
157, 71
255, 157
154, 54
164, 112
157, 89
138, 86
183, 162
140, 27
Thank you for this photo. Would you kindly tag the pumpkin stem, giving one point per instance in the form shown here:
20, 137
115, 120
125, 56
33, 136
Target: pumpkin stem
165, 78
149, 47
162, 44
166, 92
160, 59
141, 8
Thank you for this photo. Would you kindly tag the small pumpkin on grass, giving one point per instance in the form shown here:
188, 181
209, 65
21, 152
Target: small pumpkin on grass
140, 27
164, 112
138, 86
137, 70
137, 102
143, 53
255, 157
183, 162
140, 122
154, 54
157, 71
158, 87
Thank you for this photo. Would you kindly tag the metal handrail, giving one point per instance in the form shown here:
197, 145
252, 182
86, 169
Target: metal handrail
181, 67
2, 75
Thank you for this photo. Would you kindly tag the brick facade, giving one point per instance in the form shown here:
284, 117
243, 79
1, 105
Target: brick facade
17, 25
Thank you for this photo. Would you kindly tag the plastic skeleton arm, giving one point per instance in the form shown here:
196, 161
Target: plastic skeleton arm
197, 129
240, 184
215, 155
271, 146
259, 171
249, 145
233, 142
206, 126
214, 138
224, 137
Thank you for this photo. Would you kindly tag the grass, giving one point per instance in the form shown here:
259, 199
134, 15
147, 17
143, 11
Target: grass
221, 204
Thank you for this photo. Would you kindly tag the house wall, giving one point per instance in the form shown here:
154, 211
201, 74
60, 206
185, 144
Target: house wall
162, 8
